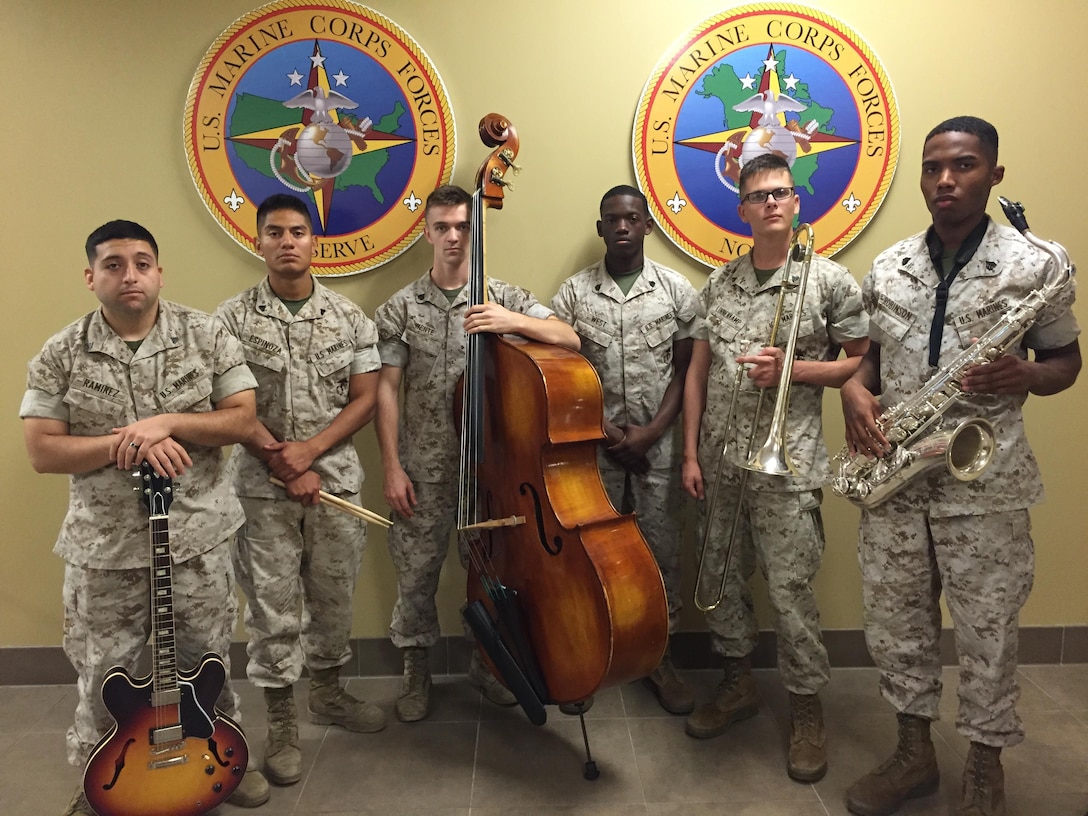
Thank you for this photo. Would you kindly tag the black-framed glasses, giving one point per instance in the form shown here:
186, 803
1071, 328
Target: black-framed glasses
760, 196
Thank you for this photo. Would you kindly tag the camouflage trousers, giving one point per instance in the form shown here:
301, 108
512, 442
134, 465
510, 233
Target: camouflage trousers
297, 567
107, 621
985, 566
783, 534
418, 547
655, 496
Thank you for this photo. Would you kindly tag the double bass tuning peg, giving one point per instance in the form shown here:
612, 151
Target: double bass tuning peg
507, 157
497, 178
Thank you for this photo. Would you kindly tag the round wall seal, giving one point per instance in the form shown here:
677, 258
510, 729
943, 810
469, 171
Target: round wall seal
329, 101
762, 78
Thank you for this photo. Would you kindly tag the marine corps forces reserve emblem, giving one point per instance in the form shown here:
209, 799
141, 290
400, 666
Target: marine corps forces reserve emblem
329, 101
765, 78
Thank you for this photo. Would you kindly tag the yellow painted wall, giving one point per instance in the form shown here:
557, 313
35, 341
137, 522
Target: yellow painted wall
94, 93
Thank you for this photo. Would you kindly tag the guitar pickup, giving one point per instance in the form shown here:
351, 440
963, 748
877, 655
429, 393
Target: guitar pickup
159, 736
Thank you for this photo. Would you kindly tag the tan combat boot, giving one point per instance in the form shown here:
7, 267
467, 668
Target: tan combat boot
484, 680
734, 701
252, 791
909, 774
668, 687
282, 757
415, 691
329, 704
983, 782
79, 806
807, 756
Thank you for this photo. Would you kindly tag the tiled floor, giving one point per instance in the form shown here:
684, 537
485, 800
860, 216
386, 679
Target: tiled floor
470, 758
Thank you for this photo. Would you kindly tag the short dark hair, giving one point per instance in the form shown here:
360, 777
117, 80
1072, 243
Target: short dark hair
118, 230
763, 163
282, 201
625, 190
979, 128
448, 195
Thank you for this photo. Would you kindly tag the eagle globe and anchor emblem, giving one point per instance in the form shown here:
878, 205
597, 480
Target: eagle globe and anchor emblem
767, 137
276, 106
323, 149
765, 78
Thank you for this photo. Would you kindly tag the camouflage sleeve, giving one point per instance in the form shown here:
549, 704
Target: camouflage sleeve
366, 356
1056, 326
868, 303
390, 321
226, 315
847, 318
563, 304
687, 311
40, 405
231, 374
46, 384
702, 301
517, 299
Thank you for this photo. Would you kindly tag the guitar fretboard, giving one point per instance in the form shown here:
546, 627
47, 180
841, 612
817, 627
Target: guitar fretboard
164, 655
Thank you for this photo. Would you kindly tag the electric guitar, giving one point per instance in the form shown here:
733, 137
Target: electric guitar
170, 752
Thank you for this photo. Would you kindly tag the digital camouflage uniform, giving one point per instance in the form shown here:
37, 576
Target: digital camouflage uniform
87, 377
424, 334
629, 341
972, 539
781, 529
298, 565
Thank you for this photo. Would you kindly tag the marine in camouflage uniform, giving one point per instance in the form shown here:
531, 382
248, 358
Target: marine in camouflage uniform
970, 540
635, 319
422, 333
314, 354
175, 384
780, 528
422, 345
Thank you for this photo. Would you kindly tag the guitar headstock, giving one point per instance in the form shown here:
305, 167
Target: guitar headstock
156, 492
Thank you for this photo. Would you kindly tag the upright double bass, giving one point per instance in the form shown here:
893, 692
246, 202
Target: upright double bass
564, 594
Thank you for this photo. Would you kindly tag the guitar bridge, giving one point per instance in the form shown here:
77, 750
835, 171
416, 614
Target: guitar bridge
158, 764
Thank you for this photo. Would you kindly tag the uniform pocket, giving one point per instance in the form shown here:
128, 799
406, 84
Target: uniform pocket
593, 333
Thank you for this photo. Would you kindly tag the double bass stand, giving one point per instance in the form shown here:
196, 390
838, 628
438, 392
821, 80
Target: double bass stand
526, 686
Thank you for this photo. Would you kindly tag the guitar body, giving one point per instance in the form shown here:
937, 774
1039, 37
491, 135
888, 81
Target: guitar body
177, 759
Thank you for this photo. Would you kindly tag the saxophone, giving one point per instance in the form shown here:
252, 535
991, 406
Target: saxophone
911, 427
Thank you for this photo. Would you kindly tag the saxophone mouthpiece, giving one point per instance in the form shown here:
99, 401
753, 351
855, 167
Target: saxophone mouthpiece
1014, 211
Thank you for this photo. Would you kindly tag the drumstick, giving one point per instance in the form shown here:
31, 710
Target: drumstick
346, 506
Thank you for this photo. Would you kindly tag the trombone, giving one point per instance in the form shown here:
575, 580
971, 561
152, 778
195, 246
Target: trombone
771, 457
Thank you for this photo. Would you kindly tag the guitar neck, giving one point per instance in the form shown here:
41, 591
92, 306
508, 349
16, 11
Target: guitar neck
164, 688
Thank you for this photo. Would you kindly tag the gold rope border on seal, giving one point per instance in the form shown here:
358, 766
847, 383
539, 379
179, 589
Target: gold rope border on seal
409, 44
663, 65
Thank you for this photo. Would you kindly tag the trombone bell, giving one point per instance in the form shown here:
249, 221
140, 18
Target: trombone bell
772, 458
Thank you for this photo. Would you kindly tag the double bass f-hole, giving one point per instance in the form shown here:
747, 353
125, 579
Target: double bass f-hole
538, 511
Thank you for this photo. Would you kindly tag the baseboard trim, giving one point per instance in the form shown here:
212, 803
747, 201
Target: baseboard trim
377, 657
